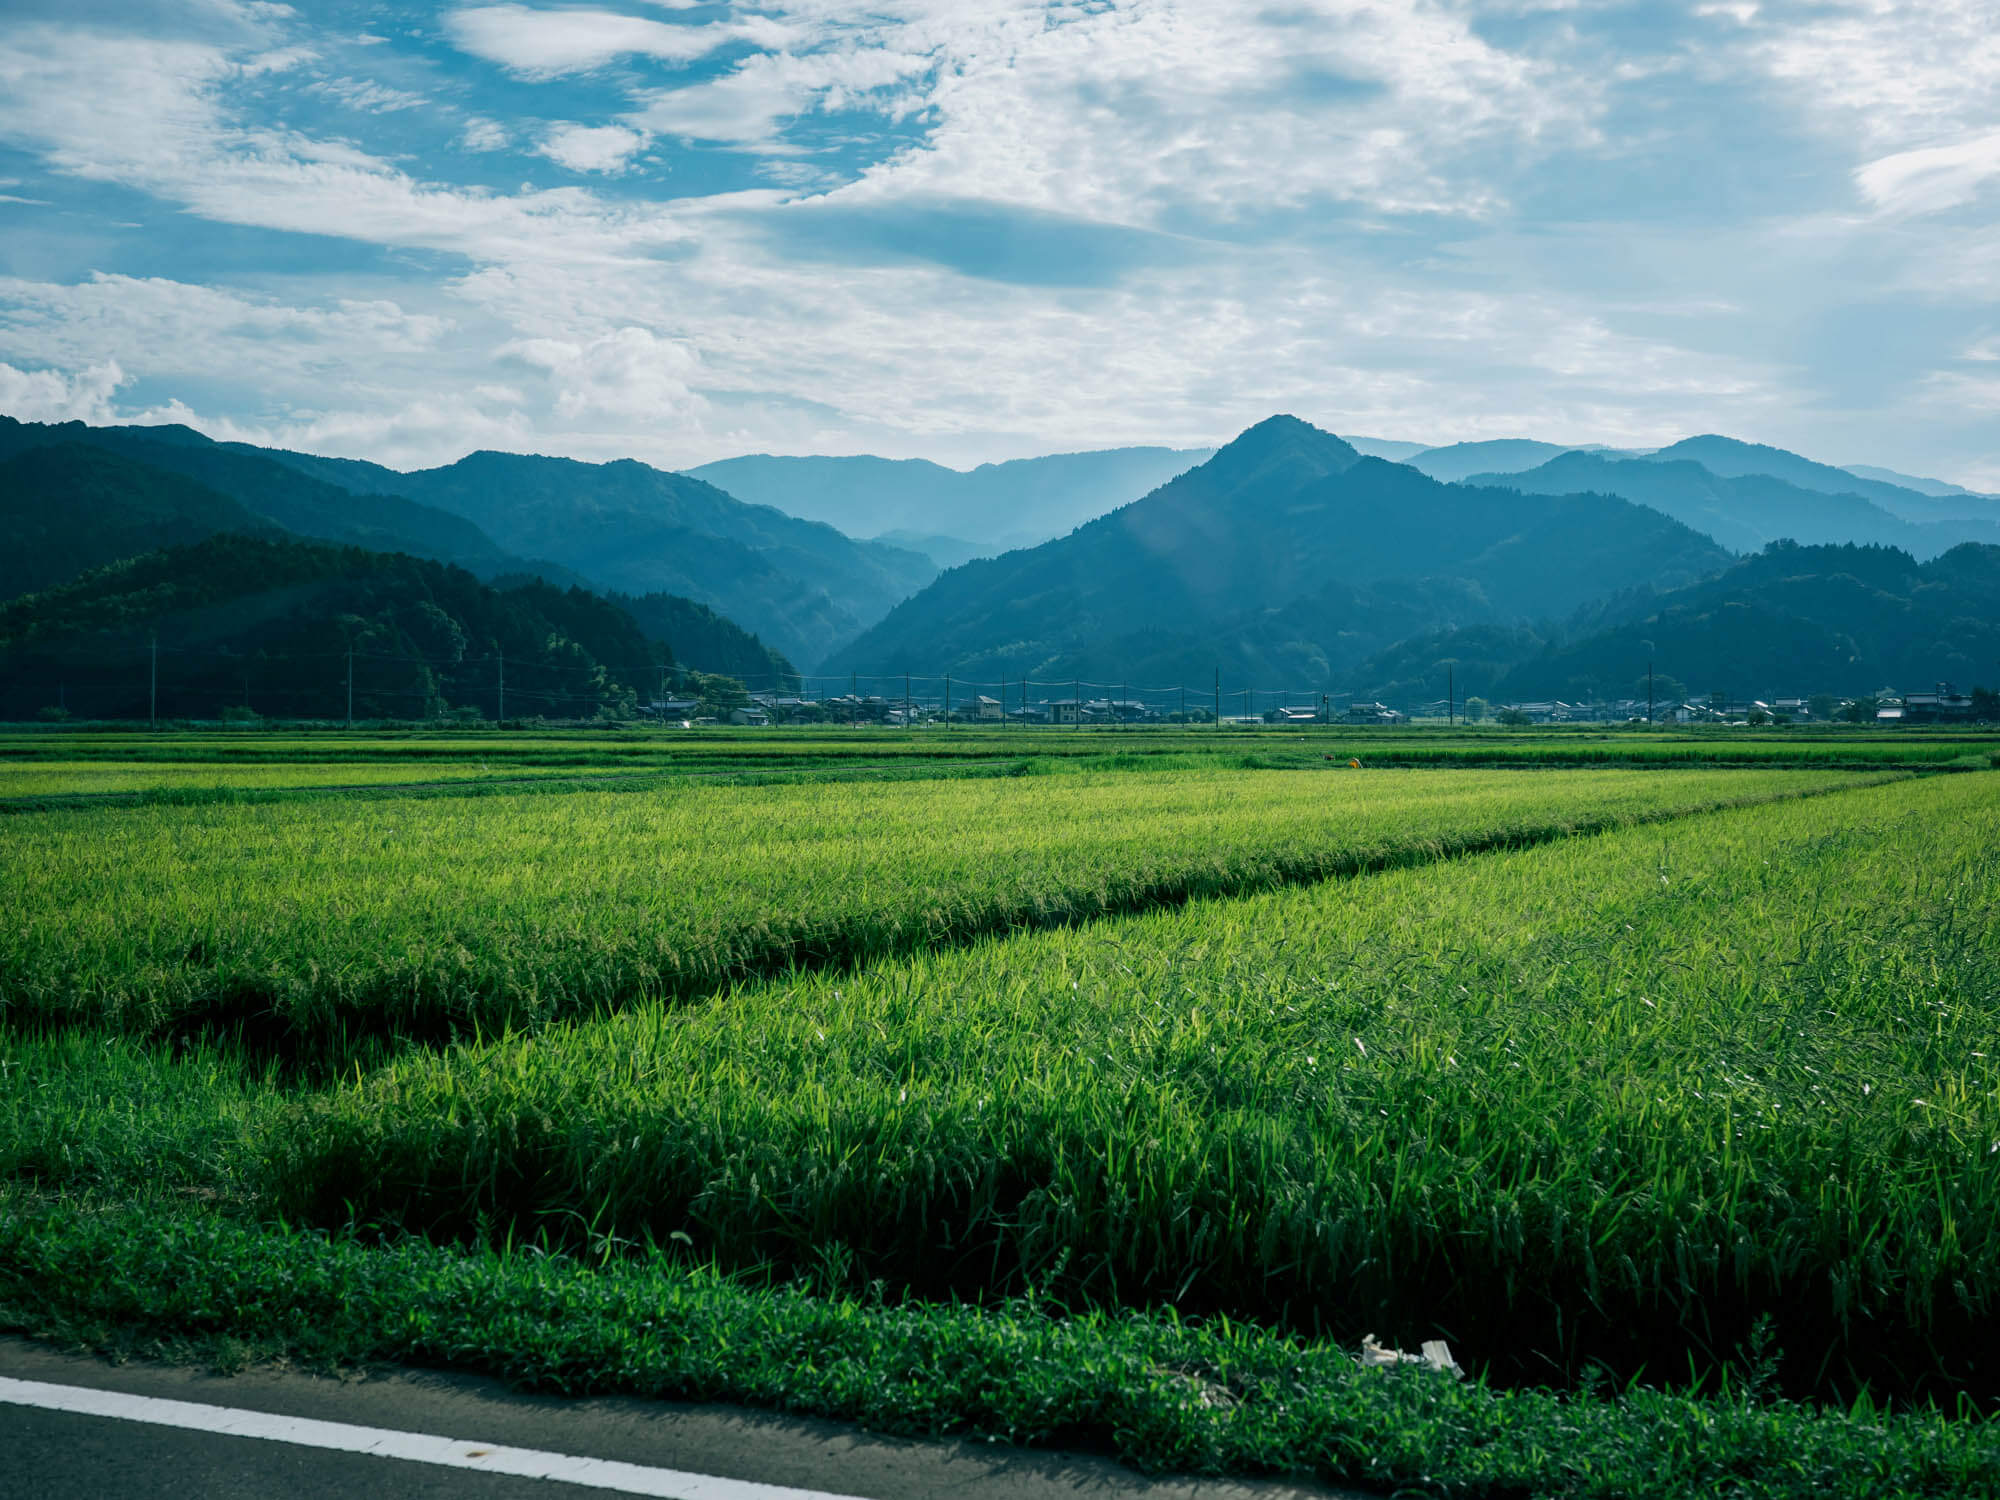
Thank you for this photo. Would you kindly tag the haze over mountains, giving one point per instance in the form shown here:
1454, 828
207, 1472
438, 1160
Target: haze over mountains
1290, 557
962, 514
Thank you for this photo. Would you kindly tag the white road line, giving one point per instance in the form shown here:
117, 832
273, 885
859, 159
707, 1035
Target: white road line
386, 1442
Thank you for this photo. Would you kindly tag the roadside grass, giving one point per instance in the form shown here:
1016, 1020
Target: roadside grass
1160, 1393
320, 929
1602, 1102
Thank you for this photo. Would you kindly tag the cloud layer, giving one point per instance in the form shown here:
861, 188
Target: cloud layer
976, 230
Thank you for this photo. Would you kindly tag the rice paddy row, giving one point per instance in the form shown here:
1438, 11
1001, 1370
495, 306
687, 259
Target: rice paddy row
318, 928
825, 745
1602, 1102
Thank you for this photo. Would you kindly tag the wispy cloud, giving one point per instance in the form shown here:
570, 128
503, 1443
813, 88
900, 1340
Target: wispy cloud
547, 43
1934, 178
366, 95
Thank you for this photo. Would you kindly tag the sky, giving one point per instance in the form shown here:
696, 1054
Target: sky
971, 230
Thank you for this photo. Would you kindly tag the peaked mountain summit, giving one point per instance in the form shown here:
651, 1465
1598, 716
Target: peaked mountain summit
1288, 556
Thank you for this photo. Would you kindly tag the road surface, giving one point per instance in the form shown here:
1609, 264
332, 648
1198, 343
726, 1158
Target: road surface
76, 1428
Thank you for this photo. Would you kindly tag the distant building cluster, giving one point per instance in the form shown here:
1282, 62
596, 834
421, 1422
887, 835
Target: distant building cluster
1941, 703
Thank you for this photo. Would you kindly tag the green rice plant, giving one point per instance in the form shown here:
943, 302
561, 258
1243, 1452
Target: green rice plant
317, 926
1598, 1101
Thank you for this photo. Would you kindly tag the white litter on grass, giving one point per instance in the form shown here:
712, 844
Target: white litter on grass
1436, 1355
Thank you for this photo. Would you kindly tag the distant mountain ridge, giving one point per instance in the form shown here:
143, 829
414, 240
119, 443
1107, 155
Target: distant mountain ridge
997, 507
1288, 555
1792, 619
1732, 457
801, 585
70, 510
70, 507
1743, 512
302, 505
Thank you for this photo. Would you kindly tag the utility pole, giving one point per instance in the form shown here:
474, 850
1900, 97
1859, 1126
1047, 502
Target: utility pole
350, 687
153, 687
1184, 717
1450, 698
1076, 691
1649, 690
500, 654
1218, 699
947, 701
908, 722
853, 700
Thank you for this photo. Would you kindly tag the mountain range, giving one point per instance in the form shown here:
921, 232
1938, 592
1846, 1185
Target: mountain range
799, 585
99, 540
1747, 510
1289, 557
628, 526
975, 513
1799, 619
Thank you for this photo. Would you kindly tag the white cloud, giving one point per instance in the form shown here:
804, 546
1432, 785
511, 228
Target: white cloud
1934, 178
592, 148
482, 134
1883, 74
366, 95
630, 372
54, 396
546, 43
152, 116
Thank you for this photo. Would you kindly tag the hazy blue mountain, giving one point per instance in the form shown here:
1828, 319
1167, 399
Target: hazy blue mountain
68, 508
998, 506
1938, 488
1456, 461
300, 504
1287, 556
944, 551
1396, 452
1797, 620
800, 585
1731, 457
1745, 512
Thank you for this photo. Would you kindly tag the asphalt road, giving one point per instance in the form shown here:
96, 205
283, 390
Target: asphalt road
62, 1455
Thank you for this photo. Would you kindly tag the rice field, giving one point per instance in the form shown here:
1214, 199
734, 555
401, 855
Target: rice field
57, 780
1595, 1101
1111, 1091
316, 924
713, 747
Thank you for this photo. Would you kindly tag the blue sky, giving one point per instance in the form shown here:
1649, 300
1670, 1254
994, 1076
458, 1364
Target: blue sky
969, 231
